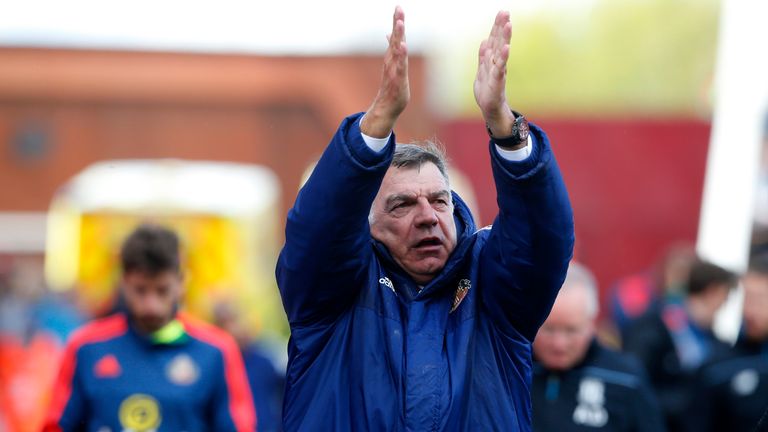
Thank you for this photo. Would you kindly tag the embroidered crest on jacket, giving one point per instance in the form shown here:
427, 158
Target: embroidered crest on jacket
461, 292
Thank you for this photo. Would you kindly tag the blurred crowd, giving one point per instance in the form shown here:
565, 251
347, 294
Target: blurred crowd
658, 362
34, 324
651, 360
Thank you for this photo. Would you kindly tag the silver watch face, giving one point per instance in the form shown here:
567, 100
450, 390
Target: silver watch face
522, 129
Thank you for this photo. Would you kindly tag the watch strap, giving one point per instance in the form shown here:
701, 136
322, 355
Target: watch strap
512, 140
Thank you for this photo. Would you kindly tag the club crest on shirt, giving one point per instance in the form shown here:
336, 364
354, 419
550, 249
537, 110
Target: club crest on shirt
461, 291
182, 370
139, 413
590, 410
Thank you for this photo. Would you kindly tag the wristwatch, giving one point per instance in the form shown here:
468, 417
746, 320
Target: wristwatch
519, 133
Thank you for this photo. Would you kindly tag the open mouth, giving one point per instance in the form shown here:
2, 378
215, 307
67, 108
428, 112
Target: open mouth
429, 242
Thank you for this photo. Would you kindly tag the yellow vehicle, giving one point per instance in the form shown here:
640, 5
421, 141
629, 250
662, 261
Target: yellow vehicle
225, 214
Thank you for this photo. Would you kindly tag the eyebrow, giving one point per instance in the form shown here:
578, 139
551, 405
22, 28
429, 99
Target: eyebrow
439, 194
407, 197
398, 197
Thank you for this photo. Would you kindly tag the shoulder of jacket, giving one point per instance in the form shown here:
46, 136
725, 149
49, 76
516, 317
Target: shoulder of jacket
207, 333
725, 369
99, 330
616, 367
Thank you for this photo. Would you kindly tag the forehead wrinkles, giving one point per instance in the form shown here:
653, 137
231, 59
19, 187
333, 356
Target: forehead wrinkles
410, 182
413, 178
408, 195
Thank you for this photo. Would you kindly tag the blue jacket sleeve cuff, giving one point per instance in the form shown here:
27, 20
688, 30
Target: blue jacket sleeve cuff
357, 147
528, 167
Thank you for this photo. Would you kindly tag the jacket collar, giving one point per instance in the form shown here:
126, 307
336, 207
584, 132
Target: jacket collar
465, 227
173, 333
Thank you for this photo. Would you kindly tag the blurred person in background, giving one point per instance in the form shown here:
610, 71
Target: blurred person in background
675, 340
403, 315
28, 308
578, 384
34, 324
265, 380
15, 308
731, 393
635, 295
58, 314
150, 367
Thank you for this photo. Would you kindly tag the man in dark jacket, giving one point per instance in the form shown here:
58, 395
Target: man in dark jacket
404, 316
676, 338
732, 392
579, 385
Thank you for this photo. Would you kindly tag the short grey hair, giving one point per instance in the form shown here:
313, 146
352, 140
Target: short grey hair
417, 154
414, 156
579, 276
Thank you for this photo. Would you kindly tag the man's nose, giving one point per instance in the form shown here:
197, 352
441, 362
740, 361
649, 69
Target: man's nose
560, 340
153, 305
425, 214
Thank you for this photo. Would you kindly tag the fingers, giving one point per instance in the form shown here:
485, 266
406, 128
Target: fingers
497, 30
500, 62
398, 26
396, 39
501, 19
494, 51
482, 53
394, 89
506, 34
490, 82
501, 31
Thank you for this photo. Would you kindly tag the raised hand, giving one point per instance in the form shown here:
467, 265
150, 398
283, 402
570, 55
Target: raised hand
394, 92
491, 78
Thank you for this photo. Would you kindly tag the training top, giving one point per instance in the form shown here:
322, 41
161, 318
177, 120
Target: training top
113, 378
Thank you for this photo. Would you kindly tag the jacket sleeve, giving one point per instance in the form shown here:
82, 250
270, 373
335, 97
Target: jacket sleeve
327, 237
233, 406
524, 261
67, 409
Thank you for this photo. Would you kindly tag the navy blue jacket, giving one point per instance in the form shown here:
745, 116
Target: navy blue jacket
368, 350
657, 338
606, 392
732, 391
